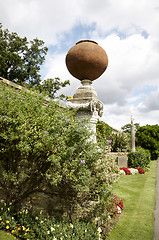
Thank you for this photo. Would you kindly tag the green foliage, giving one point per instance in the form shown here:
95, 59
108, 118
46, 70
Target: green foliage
127, 128
41, 142
28, 226
141, 158
51, 86
120, 142
148, 138
104, 133
20, 60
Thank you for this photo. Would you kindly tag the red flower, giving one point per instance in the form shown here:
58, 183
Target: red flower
112, 207
126, 170
141, 171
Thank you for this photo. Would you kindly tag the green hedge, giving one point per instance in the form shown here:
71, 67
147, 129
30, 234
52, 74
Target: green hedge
141, 158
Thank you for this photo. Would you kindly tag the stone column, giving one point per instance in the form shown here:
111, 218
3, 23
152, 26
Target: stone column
132, 136
88, 105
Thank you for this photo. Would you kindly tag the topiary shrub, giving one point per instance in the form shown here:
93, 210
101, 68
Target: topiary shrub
141, 158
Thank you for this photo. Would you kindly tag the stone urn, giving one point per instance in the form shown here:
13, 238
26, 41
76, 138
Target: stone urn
86, 60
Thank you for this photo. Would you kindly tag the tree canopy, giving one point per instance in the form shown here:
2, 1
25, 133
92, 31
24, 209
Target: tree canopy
148, 138
104, 133
127, 127
20, 59
51, 86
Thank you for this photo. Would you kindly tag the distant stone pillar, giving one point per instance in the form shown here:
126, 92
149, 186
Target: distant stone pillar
132, 136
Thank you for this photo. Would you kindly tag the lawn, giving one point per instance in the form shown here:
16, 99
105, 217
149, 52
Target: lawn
5, 236
138, 194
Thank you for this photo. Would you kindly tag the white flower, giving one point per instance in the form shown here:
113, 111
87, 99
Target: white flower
99, 230
71, 225
122, 172
52, 229
48, 232
119, 209
133, 171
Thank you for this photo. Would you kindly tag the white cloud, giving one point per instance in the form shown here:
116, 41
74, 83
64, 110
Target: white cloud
126, 29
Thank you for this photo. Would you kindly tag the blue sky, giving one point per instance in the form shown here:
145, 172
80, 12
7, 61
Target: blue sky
126, 29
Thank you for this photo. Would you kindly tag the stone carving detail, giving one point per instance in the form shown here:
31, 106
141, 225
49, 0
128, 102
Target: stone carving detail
95, 107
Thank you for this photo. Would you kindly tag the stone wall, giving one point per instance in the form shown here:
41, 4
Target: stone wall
121, 158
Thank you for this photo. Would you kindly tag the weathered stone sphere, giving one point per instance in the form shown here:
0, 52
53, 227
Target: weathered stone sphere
86, 60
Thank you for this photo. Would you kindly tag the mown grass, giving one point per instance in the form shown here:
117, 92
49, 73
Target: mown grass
5, 236
138, 193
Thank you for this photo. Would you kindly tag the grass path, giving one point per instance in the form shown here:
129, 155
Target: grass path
138, 193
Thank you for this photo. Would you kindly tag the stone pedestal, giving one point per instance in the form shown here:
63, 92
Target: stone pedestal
88, 105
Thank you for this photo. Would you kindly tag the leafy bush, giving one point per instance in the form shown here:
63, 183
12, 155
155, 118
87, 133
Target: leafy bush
148, 137
139, 159
44, 149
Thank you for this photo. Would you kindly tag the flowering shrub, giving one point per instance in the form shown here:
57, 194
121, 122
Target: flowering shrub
131, 171
115, 206
45, 145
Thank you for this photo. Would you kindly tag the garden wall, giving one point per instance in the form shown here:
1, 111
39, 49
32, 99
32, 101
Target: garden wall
121, 158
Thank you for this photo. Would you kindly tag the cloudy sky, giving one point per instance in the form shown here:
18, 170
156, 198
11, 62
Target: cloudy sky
128, 30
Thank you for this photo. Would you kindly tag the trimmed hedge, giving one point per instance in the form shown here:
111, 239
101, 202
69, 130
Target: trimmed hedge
141, 158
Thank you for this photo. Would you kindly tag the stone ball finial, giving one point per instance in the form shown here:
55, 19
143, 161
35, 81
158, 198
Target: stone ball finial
86, 60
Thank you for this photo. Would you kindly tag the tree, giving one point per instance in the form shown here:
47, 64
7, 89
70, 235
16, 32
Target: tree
51, 86
20, 60
148, 137
104, 133
120, 142
127, 127
44, 149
